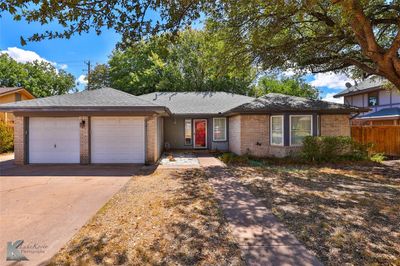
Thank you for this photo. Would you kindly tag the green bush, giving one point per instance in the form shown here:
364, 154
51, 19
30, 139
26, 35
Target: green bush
332, 149
6, 137
378, 157
231, 158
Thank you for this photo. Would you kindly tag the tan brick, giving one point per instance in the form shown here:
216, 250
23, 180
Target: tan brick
335, 125
249, 134
84, 140
151, 139
19, 140
254, 134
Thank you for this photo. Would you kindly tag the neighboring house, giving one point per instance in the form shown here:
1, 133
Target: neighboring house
371, 93
12, 94
110, 126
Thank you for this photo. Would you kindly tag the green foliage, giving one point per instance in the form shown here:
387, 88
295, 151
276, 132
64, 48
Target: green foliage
39, 78
192, 61
332, 149
377, 157
294, 86
231, 158
318, 36
100, 77
6, 137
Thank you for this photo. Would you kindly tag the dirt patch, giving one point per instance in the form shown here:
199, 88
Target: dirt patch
168, 217
345, 214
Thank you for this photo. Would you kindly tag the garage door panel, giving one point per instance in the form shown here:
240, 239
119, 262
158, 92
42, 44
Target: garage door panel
54, 140
117, 140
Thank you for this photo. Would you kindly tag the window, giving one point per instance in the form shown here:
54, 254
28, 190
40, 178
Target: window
277, 130
219, 129
188, 131
373, 99
300, 127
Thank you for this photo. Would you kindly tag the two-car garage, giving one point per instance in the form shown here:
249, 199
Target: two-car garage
92, 126
112, 139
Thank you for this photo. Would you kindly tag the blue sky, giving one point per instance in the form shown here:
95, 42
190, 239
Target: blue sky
71, 54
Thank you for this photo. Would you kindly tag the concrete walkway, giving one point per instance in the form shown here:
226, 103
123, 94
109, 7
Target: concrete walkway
261, 237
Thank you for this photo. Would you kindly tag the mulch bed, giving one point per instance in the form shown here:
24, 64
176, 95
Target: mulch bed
168, 217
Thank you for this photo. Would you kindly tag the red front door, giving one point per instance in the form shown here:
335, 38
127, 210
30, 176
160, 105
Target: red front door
200, 133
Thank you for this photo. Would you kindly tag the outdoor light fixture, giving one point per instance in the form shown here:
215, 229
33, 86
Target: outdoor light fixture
83, 123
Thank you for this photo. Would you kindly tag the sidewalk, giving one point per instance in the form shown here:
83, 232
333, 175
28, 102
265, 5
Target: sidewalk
261, 237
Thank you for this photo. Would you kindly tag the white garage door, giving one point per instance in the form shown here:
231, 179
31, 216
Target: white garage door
117, 140
54, 140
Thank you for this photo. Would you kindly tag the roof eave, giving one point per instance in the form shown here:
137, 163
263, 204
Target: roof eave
357, 92
82, 108
24, 91
320, 111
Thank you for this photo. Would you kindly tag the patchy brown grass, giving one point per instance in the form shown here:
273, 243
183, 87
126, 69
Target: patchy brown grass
166, 218
345, 214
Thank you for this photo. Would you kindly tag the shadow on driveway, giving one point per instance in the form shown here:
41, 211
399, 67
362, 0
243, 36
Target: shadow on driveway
8, 168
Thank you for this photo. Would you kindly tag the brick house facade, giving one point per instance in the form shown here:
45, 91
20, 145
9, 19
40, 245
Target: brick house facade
100, 130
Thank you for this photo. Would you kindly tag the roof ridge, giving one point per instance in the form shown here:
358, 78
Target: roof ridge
131, 95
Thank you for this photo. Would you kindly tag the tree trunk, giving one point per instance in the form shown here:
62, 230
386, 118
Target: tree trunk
387, 61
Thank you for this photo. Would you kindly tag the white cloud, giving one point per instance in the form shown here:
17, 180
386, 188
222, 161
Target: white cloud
330, 80
289, 72
82, 80
329, 98
25, 56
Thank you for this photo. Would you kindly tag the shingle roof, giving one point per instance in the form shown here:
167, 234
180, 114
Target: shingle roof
387, 112
105, 97
372, 82
8, 89
276, 102
197, 102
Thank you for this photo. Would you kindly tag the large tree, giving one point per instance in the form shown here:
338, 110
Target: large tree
39, 78
295, 86
99, 77
193, 60
326, 35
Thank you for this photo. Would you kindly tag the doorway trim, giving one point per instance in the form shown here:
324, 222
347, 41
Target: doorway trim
194, 133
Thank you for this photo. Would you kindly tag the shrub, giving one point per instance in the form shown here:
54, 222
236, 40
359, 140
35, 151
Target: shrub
231, 158
378, 157
6, 137
332, 149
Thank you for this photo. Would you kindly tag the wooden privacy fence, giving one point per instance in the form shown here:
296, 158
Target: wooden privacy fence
385, 139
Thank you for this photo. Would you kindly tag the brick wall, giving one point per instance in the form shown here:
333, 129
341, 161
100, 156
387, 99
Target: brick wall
335, 125
84, 140
254, 134
283, 151
160, 137
19, 140
151, 139
234, 134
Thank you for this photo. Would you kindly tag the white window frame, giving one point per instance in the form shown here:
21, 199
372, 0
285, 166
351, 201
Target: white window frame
224, 118
283, 130
290, 128
184, 132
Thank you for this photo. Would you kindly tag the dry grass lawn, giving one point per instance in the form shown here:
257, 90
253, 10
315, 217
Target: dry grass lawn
347, 214
166, 218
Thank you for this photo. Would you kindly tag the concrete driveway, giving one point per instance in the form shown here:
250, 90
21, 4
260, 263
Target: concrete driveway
44, 205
